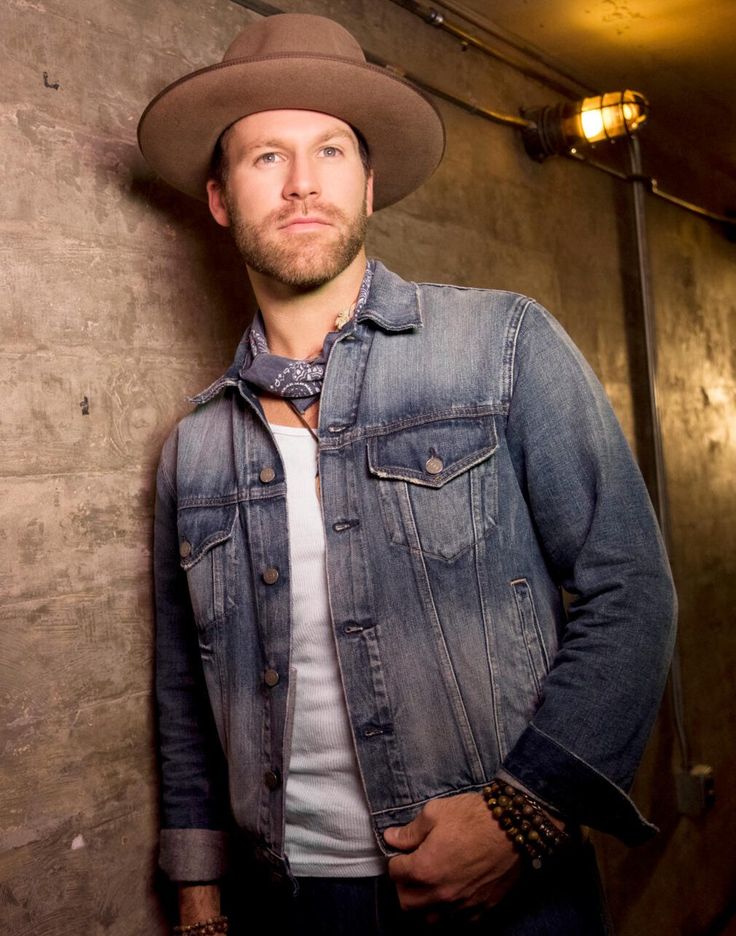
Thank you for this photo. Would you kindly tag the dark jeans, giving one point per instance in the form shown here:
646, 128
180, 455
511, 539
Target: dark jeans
562, 901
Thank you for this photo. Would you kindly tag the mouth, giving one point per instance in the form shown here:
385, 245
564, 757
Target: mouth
308, 223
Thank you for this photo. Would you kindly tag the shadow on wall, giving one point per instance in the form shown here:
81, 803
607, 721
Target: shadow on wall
203, 303
215, 262
199, 302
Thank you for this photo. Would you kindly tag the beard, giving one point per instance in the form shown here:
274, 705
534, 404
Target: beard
306, 261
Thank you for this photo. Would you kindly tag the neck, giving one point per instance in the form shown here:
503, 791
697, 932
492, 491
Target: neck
297, 321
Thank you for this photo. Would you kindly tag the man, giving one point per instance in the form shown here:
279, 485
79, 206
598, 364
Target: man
362, 535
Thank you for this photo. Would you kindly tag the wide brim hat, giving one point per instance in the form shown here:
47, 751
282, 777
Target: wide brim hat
301, 62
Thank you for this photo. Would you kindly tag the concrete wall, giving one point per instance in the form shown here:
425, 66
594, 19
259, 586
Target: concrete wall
119, 298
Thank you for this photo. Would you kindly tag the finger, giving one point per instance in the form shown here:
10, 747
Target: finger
417, 896
412, 896
401, 870
412, 871
409, 836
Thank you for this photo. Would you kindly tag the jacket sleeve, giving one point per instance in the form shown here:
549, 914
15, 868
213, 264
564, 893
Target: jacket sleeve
602, 544
193, 775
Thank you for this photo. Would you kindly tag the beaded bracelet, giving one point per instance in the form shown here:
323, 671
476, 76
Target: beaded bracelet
525, 823
204, 927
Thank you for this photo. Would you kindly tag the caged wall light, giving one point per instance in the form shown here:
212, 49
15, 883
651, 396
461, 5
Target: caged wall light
559, 129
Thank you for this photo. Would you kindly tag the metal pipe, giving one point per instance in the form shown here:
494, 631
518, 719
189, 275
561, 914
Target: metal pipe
507, 120
576, 87
652, 188
639, 189
436, 19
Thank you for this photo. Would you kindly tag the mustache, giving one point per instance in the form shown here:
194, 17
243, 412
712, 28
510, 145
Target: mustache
323, 210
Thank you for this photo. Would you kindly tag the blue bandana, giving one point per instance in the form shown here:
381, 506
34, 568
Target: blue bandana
298, 381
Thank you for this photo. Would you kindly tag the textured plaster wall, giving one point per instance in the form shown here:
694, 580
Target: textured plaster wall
680, 882
118, 298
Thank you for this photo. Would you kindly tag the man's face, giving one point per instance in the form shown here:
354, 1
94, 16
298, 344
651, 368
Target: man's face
296, 195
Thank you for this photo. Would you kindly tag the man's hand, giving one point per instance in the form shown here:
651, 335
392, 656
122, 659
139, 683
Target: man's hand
457, 857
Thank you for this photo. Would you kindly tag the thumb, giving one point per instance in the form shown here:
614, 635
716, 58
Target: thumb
409, 836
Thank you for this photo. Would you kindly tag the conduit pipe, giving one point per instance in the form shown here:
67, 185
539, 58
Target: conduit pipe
435, 18
640, 187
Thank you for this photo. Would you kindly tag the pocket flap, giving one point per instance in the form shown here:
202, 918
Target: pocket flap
433, 453
201, 528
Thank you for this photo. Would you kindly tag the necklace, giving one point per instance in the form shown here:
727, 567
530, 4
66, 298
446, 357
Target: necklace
302, 419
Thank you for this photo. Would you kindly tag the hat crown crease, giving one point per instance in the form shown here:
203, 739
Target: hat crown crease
303, 34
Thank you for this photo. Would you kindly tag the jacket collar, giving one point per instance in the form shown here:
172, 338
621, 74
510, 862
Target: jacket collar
392, 304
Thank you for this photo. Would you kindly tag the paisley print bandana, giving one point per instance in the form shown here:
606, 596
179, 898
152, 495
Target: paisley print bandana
298, 381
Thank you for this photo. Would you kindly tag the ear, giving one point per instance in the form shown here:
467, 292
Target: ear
369, 194
217, 203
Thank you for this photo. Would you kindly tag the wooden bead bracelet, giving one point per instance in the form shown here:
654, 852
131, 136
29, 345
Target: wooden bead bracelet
204, 927
525, 823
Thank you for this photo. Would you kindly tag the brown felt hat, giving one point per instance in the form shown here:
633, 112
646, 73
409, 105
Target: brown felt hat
300, 62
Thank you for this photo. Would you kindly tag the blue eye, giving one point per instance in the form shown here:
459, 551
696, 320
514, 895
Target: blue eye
267, 158
330, 151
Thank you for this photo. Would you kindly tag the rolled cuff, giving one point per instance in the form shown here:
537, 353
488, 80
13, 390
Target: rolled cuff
193, 854
573, 788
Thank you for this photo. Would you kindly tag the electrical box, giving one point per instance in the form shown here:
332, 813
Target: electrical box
696, 790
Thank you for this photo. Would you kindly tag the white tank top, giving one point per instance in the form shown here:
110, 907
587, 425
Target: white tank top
328, 827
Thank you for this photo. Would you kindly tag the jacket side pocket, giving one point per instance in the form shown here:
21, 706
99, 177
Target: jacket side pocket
531, 632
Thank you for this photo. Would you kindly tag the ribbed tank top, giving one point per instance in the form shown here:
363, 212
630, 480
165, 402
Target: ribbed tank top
328, 827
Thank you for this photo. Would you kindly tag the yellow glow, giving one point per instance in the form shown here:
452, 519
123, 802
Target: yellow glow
611, 115
592, 124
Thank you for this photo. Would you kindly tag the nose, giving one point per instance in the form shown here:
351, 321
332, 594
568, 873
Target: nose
302, 180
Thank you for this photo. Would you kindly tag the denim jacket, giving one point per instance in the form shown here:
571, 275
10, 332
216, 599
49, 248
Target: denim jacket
471, 469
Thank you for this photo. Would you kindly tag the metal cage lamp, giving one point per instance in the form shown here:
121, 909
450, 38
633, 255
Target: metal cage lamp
559, 129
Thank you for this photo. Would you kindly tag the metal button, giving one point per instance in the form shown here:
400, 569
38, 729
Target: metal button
271, 576
267, 475
185, 549
271, 678
272, 779
434, 465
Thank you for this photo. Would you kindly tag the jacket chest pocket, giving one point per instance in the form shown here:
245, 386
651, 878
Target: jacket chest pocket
204, 535
437, 483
